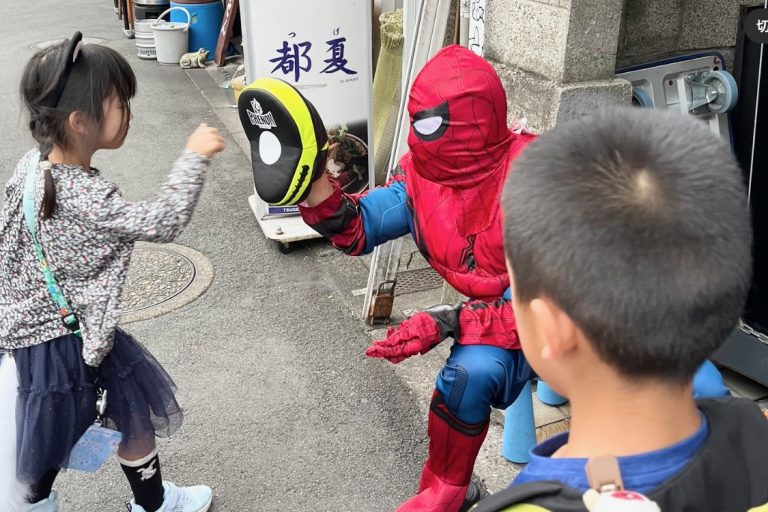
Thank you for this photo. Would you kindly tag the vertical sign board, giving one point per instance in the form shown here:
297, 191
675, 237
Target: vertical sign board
323, 47
476, 11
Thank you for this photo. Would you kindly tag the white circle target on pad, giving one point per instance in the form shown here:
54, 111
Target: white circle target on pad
269, 148
289, 143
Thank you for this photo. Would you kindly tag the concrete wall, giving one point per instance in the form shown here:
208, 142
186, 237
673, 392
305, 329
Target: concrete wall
555, 57
656, 29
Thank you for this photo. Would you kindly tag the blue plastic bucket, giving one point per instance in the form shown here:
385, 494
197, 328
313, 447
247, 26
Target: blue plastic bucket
206, 24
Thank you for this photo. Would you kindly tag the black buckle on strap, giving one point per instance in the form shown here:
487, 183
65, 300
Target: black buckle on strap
71, 322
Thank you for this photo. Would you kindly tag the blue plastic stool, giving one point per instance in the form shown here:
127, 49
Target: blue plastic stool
548, 396
708, 382
519, 428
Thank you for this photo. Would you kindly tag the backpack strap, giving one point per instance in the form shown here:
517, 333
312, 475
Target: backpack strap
533, 497
68, 316
604, 474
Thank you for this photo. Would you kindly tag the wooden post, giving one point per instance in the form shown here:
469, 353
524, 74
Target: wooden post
225, 34
131, 14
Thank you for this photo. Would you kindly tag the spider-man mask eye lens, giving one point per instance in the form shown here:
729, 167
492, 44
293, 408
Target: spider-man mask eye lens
430, 124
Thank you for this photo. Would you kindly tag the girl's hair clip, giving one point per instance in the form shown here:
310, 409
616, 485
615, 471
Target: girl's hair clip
73, 51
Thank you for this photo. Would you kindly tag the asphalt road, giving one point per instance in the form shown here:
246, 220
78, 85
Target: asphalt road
283, 412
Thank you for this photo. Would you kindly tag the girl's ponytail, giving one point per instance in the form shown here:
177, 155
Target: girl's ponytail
45, 141
45, 124
49, 194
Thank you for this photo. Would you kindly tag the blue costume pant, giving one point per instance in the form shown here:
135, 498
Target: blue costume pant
478, 377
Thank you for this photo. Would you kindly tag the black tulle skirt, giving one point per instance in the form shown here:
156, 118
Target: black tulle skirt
57, 400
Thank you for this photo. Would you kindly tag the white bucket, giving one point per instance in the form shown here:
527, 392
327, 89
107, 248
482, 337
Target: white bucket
145, 45
143, 26
171, 38
146, 52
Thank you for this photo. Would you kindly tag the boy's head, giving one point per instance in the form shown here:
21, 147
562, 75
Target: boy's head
627, 235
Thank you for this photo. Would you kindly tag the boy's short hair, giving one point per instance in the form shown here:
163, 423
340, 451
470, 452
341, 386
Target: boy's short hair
635, 223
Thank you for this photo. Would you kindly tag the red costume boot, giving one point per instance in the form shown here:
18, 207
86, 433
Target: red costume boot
453, 448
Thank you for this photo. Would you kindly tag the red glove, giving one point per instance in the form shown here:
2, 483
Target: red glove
472, 323
416, 335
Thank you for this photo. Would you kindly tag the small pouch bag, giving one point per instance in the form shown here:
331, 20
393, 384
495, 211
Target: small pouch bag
97, 443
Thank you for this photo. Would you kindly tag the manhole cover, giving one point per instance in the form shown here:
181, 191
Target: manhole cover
45, 44
162, 278
419, 280
156, 275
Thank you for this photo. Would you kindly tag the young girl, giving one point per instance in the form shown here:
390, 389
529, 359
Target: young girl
61, 340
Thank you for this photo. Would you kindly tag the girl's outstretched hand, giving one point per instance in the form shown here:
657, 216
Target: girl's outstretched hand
205, 140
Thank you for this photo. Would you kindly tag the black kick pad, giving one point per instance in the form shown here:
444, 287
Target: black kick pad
289, 143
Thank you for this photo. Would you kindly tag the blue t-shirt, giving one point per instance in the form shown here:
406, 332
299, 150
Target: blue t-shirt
640, 473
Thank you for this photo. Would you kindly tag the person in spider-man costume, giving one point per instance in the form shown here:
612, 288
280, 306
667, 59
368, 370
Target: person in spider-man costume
445, 193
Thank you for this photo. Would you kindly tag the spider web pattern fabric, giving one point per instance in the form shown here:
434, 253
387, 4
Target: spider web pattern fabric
454, 180
447, 195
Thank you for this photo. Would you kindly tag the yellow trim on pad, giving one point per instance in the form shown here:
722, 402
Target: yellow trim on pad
295, 104
524, 507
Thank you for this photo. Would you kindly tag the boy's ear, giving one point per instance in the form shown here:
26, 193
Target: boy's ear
556, 329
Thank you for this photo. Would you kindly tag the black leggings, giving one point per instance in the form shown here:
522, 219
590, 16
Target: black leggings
42, 489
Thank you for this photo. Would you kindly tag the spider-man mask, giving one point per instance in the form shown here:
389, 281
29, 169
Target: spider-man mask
458, 109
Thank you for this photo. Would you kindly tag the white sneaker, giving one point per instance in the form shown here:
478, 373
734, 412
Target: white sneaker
49, 504
180, 499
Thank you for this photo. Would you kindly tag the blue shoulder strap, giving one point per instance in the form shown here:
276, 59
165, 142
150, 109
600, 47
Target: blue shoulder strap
68, 317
